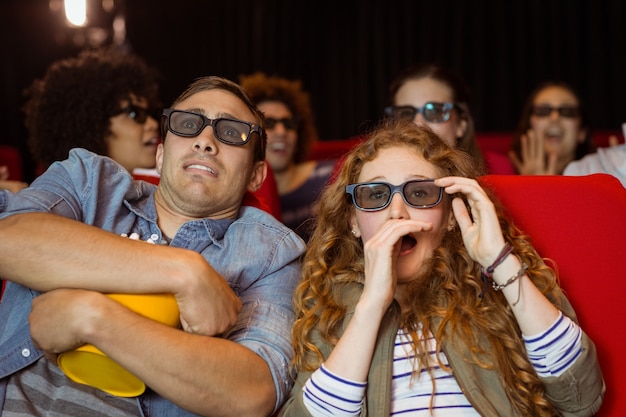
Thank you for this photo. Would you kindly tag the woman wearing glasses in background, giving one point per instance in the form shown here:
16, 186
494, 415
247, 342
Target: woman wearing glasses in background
439, 98
552, 132
101, 100
291, 132
412, 305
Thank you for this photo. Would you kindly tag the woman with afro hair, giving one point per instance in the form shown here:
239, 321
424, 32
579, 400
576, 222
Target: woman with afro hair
101, 100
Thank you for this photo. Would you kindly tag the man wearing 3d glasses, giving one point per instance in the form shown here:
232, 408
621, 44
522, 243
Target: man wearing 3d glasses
232, 270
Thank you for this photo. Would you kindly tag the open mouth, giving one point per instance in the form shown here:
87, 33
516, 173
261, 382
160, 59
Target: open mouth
408, 243
553, 134
277, 146
152, 142
201, 168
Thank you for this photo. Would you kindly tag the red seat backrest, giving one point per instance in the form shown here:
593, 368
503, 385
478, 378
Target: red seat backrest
12, 158
333, 149
266, 197
580, 224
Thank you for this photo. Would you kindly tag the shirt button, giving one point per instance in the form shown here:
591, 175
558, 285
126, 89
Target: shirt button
26, 353
154, 237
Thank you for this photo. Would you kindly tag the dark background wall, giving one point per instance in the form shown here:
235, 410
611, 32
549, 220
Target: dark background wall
347, 52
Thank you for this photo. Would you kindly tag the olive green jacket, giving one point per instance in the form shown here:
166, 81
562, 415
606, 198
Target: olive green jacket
576, 393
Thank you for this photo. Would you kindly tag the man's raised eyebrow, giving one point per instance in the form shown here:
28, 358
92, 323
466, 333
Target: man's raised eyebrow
227, 116
220, 114
193, 110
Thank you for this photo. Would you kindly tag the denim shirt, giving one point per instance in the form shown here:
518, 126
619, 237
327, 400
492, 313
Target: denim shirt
256, 254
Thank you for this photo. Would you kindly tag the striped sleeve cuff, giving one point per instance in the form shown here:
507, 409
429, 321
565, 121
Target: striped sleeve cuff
327, 394
555, 350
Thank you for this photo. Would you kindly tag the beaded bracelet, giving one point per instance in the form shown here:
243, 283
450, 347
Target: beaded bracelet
500, 287
506, 251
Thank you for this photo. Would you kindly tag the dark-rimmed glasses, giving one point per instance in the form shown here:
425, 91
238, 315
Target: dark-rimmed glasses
137, 113
433, 112
373, 196
289, 123
189, 125
565, 111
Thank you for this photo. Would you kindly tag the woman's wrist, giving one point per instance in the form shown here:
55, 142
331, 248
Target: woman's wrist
370, 310
509, 267
507, 278
489, 270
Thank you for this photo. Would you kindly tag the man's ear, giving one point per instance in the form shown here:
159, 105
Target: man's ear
159, 158
259, 172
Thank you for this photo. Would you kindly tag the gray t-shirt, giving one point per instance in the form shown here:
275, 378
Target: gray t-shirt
43, 390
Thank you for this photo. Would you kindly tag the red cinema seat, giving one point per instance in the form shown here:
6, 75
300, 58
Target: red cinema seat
333, 149
580, 224
12, 158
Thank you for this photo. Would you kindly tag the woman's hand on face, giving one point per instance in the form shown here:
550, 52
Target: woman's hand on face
481, 231
533, 156
381, 252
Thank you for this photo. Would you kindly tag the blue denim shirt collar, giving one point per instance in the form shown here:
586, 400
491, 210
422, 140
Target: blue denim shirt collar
146, 209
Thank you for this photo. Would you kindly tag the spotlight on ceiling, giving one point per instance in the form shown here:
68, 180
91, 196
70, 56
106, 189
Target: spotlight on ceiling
89, 22
76, 12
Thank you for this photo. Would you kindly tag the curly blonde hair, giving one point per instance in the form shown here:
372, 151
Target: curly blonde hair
448, 295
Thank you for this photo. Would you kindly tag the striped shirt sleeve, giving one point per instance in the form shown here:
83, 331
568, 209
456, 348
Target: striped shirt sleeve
326, 394
555, 350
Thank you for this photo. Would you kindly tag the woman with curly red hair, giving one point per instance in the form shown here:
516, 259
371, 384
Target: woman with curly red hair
418, 297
